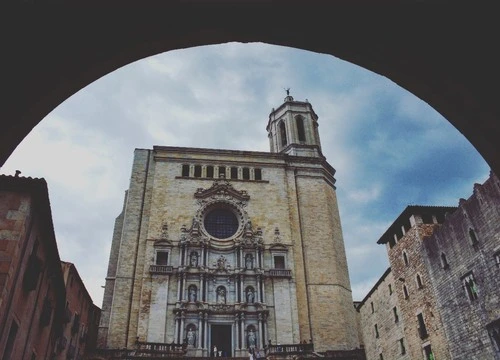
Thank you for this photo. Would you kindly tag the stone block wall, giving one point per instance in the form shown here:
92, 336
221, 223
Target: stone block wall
454, 253
419, 299
382, 326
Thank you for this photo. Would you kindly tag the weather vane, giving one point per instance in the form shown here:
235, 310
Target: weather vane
287, 91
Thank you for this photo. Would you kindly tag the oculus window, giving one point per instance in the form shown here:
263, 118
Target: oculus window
221, 223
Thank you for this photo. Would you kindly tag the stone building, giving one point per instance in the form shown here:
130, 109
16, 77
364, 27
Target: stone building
399, 316
231, 249
381, 323
445, 263
32, 296
463, 259
80, 318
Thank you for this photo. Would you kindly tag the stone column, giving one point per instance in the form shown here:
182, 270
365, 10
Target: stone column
202, 257
266, 330
179, 280
185, 257
262, 285
206, 331
237, 335
181, 330
202, 287
183, 287
200, 324
242, 290
257, 294
243, 327
259, 332
176, 328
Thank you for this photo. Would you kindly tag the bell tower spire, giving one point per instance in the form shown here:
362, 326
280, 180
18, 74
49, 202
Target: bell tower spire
293, 128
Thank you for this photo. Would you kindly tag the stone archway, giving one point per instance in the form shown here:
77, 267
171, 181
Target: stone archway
49, 55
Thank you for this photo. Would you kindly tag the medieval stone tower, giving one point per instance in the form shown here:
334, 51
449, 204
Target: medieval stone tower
231, 248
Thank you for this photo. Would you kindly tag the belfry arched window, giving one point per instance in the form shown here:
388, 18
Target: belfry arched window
300, 128
283, 134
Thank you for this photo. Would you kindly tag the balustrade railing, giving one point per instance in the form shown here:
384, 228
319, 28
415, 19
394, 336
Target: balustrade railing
280, 273
161, 269
290, 349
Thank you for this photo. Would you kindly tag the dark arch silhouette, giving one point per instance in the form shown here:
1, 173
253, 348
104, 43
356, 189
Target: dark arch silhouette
445, 56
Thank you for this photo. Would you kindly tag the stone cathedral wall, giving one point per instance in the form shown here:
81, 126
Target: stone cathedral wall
288, 196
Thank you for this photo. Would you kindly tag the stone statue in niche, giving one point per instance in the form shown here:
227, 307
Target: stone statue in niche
191, 336
249, 261
221, 295
194, 259
250, 295
192, 294
251, 338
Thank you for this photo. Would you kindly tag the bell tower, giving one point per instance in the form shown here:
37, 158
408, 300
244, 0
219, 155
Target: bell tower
293, 129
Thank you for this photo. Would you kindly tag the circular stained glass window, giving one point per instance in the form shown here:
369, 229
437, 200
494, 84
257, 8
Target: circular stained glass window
221, 223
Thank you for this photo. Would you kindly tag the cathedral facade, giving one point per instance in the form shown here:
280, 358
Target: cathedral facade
231, 249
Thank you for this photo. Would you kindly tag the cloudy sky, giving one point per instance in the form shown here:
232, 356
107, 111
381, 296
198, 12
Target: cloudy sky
390, 149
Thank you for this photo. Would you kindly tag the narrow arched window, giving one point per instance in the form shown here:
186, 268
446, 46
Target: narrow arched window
444, 261
405, 292
405, 258
300, 128
283, 134
419, 282
473, 237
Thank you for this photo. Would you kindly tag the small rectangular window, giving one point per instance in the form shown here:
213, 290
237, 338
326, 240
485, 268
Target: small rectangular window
473, 237
390, 289
258, 174
185, 170
422, 329
444, 261
279, 262
246, 173
197, 171
162, 258
376, 331
381, 357
234, 172
420, 285
210, 171
373, 308
405, 292
497, 259
396, 316
428, 353
402, 346
470, 286
222, 171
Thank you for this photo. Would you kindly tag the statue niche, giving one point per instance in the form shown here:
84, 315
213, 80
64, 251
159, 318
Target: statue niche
221, 295
192, 293
193, 259
249, 261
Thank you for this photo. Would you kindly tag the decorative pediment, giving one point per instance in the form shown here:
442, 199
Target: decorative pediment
221, 189
278, 246
162, 242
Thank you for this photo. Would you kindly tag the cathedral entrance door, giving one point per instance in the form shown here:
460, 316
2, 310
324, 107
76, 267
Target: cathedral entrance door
222, 338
